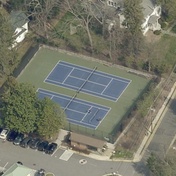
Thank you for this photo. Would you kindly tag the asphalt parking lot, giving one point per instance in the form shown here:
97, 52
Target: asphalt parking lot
62, 162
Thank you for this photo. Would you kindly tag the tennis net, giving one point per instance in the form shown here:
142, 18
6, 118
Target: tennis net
71, 100
79, 89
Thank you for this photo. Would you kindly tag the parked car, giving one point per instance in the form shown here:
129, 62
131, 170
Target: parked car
24, 143
43, 145
34, 143
12, 135
40, 172
51, 148
19, 162
18, 139
1, 130
4, 133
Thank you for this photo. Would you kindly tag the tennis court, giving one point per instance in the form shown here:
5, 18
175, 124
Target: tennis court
79, 112
91, 81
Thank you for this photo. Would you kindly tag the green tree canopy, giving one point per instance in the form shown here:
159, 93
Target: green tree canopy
23, 111
19, 107
8, 56
168, 9
50, 118
132, 42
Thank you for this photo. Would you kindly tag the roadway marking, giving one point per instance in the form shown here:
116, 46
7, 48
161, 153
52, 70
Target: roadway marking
66, 155
55, 151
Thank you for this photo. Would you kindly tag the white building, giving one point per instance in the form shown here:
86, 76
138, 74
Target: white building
19, 23
151, 13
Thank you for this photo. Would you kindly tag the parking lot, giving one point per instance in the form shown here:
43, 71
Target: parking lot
62, 162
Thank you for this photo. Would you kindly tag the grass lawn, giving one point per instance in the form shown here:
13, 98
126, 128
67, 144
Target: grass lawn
44, 61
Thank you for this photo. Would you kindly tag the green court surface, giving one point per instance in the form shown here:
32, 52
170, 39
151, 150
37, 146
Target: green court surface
44, 61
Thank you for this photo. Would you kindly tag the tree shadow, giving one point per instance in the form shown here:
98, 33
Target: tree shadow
141, 168
173, 106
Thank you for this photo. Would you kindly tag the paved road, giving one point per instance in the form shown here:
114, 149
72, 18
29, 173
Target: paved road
165, 133
36, 160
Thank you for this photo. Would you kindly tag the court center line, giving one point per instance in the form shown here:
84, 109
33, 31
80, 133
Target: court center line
67, 76
106, 86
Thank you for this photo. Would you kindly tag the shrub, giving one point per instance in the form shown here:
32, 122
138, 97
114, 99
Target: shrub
174, 29
157, 32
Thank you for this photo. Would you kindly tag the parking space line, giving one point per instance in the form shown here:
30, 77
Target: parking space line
55, 151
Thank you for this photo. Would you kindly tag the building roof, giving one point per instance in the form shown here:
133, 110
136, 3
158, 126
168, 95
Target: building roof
18, 19
148, 6
87, 140
153, 19
18, 170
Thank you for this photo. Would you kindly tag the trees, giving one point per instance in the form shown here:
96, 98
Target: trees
168, 9
159, 167
18, 107
8, 56
50, 118
23, 111
85, 13
41, 12
133, 38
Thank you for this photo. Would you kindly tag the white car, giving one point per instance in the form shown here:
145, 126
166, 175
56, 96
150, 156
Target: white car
4, 133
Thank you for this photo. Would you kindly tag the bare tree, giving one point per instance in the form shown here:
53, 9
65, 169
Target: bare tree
85, 12
40, 12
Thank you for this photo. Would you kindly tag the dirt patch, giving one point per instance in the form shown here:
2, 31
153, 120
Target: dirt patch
152, 38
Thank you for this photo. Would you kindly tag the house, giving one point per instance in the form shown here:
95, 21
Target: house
151, 12
19, 170
19, 22
82, 142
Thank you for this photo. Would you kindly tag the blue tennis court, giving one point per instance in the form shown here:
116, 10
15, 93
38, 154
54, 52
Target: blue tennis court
79, 112
87, 80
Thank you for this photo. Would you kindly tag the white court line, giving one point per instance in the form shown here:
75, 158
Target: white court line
123, 91
79, 112
106, 86
85, 124
103, 118
67, 76
98, 95
66, 97
51, 70
106, 74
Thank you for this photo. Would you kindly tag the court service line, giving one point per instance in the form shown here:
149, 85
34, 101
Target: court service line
79, 112
106, 86
123, 91
67, 76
